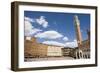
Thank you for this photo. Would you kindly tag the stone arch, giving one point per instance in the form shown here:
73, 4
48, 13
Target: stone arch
79, 54
86, 56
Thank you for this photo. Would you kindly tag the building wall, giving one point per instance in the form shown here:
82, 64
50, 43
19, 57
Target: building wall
42, 50
86, 48
54, 51
67, 51
35, 49
30, 48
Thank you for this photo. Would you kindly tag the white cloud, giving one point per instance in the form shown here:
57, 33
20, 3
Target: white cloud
71, 44
68, 44
53, 43
29, 19
42, 21
35, 30
28, 25
75, 40
29, 29
65, 38
49, 35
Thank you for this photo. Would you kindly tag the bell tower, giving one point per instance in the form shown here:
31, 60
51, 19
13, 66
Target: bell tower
78, 31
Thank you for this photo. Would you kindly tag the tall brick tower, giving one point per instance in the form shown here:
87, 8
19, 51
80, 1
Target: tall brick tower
78, 31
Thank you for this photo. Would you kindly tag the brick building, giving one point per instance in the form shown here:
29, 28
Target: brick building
33, 49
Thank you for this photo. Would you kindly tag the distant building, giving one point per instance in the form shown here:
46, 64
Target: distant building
54, 51
67, 51
86, 46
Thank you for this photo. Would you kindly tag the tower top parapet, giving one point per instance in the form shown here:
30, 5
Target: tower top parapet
76, 20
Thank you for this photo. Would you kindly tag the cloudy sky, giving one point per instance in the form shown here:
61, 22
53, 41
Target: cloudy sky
55, 28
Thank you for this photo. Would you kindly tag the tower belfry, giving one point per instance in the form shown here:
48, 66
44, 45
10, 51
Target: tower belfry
78, 31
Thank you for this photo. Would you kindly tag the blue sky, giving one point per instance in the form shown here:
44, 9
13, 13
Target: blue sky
54, 27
